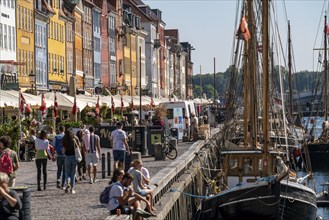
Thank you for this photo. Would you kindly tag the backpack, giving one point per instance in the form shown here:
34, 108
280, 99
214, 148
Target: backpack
104, 197
6, 163
58, 145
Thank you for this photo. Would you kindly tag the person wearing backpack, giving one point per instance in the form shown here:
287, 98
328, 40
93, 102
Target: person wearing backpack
8, 159
41, 158
60, 157
123, 198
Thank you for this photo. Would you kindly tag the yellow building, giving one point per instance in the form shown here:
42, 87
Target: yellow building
130, 67
56, 49
25, 41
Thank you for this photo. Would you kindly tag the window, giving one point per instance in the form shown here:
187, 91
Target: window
1, 36
5, 36
19, 15
32, 60
25, 19
19, 60
28, 61
9, 37
49, 62
14, 38
29, 20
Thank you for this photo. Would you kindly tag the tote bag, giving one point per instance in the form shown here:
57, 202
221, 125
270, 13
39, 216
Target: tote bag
77, 152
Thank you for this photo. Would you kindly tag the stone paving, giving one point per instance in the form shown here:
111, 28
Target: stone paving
54, 203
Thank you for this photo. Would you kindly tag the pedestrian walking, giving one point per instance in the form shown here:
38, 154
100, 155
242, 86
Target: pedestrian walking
41, 146
119, 142
69, 144
60, 157
93, 154
12, 159
9, 200
82, 164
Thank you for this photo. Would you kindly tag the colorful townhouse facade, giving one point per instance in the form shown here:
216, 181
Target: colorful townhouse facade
97, 12
25, 42
8, 48
87, 45
56, 48
117, 46
78, 55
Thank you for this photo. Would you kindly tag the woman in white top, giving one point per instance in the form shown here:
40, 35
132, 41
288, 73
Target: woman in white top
41, 146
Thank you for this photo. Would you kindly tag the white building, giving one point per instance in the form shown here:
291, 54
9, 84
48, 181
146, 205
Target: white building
7, 30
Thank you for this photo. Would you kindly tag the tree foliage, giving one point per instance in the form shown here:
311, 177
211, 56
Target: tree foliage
301, 81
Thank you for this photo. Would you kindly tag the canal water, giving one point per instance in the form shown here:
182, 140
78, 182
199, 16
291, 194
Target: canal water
322, 175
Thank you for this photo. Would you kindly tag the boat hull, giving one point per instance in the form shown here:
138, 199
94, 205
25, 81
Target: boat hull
262, 201
319, 155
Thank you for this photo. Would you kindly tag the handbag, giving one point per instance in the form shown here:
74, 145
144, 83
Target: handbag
77, 152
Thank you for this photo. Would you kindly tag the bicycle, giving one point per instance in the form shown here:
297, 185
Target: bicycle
169, 150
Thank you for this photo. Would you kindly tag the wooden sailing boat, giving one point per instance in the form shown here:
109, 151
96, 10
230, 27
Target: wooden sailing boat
253, 178
318, 150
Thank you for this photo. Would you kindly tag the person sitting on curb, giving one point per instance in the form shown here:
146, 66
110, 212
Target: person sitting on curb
122, 198
139, 183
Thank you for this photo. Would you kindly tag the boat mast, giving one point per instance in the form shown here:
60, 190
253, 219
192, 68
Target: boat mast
265, 40
247, 81
325, 71
290, 77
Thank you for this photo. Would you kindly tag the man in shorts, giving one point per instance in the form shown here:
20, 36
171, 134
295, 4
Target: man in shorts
93, 152
119, 142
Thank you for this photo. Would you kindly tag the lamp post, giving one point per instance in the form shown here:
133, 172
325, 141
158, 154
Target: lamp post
32, 80
100, 86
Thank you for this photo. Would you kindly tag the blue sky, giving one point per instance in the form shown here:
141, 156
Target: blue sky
209, 25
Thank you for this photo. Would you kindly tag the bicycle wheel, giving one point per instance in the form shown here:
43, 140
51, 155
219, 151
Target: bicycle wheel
171, 152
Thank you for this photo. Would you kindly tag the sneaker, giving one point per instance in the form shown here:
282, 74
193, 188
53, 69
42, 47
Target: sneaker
67, 188
80, 179
91, 181
143, 213
95, 180
84, 177
58, 184
73, 191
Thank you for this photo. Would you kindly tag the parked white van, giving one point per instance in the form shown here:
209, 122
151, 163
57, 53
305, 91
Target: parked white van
187, 107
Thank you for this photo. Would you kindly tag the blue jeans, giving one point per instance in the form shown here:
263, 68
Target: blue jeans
71, 169
61, 167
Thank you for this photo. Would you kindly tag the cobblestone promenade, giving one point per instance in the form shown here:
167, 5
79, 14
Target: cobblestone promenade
54, 203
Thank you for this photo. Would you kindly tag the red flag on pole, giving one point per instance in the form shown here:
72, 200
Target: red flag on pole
22, 102
152, 102
75, 108
243, 31
122, 104
43, 107
112, 103
97, 106
55, 106
28, 108
132, 104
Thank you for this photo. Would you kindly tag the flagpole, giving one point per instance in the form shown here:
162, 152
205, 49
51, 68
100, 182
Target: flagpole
54, 118
19, 121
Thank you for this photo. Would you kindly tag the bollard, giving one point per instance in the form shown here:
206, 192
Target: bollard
103, 166
108, 164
